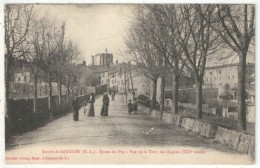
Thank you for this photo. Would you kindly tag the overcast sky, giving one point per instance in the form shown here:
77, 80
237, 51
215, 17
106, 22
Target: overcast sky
97, 27
93, 27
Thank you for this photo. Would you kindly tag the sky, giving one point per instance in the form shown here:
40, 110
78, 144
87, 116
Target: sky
94, 28
97, 27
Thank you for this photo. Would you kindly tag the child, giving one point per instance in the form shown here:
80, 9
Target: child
135, 105
130, 107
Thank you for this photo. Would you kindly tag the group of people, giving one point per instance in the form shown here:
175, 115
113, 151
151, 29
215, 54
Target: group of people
132, 106
90, 110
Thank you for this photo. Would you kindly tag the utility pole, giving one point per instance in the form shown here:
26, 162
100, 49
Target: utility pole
131, 76
85, 77
125, 82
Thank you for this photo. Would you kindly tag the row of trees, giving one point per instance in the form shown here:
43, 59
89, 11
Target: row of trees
42, 43
174, 37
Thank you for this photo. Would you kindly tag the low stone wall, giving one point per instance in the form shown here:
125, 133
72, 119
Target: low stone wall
203, 128
236, 140
156, 114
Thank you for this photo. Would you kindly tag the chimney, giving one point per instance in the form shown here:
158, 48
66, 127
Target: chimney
84, 63
116, 62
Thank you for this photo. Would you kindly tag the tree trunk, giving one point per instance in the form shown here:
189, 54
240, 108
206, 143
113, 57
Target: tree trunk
175, 94
59, 90
7, 79
35, 92
68, 89
154, 91
50, 92
199, 97
162, 93
131, 78
241, 121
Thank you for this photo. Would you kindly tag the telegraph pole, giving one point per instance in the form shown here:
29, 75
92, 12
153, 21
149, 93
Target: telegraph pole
125, 82
131, 77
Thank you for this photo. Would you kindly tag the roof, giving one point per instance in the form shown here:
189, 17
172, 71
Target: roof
227, 65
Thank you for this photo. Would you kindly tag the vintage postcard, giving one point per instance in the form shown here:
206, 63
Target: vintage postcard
129, 84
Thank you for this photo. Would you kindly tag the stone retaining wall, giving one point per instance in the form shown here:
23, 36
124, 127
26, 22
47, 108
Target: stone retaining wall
236, 140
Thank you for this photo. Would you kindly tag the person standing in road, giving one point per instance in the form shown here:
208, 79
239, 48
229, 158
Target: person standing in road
133, 93
76, 107
104, 110
91, 111
130, 107
113, 96
135, 105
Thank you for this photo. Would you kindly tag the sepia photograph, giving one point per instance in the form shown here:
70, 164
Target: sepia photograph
164, 83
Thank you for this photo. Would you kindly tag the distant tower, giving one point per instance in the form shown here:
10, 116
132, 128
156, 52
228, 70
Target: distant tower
103, 59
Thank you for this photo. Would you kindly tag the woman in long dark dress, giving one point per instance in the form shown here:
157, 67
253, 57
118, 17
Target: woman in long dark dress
135, 105
76, 107
104, 110
91, 110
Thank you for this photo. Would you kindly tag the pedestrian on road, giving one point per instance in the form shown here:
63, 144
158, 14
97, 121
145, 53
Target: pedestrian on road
130, 106
113, 96
135, 105
91, 110
76, 107
104, 110
133, 93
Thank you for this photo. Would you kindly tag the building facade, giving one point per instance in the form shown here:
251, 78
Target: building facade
217, 76
123, 77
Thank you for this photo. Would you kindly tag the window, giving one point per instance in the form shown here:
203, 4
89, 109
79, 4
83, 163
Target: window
228, 77
210, 73
19, 79
233, 76
219, 72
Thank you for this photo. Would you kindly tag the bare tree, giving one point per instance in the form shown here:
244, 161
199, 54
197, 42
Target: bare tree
162, 33
60, 59
70, 54
235, 25
198, 42
17, 24
148, 59
38, 39
51, 49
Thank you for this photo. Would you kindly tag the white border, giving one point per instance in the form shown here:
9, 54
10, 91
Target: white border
2, 142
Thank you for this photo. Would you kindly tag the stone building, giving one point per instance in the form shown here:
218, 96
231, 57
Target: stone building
102, 59
124, 76
216, 76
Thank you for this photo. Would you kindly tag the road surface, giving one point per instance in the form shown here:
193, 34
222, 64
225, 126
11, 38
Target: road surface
118, 138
